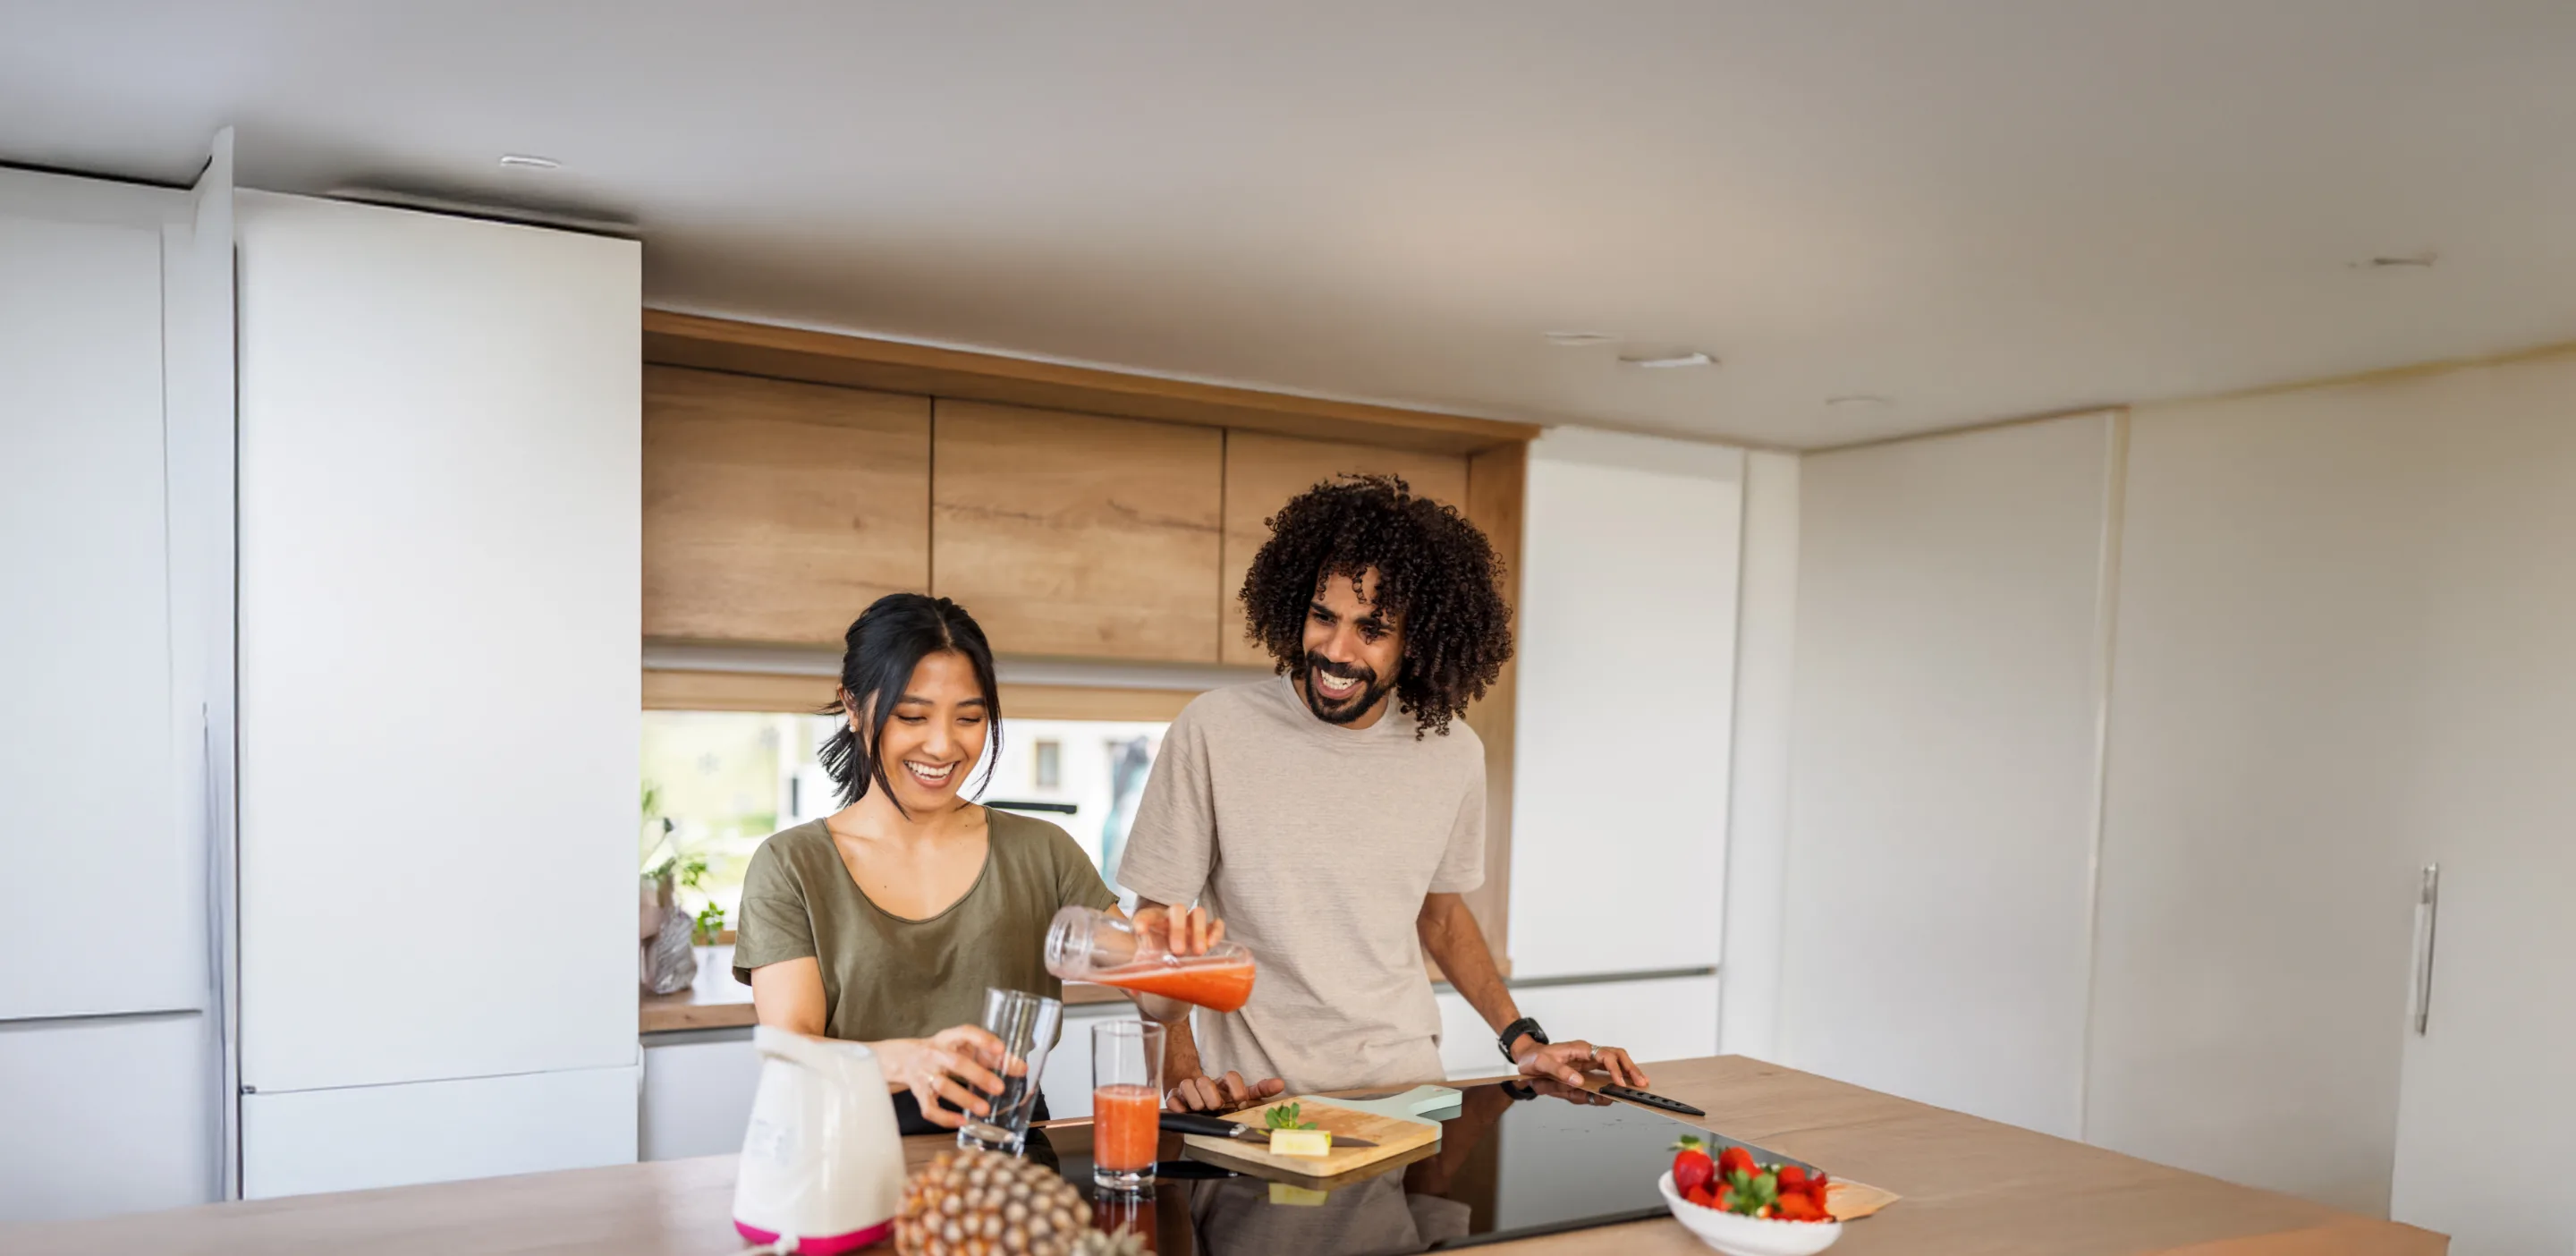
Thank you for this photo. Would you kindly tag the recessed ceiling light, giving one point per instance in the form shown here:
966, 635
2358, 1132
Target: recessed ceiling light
529, 162
1575, 339
1858, 401
1670, 361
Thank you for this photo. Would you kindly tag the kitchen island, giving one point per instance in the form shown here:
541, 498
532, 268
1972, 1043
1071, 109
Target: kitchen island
1967, 1185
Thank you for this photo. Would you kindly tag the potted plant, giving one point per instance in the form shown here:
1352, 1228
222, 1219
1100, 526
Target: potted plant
666, 964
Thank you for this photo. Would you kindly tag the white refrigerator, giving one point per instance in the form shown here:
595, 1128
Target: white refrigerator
318, 765
115, 715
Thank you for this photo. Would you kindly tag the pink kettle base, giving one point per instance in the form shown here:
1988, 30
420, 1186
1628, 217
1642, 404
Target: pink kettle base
826, 1245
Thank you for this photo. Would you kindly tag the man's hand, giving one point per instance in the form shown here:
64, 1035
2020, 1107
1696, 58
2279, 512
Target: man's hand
1568, 1061
1226, 1094
1190, 933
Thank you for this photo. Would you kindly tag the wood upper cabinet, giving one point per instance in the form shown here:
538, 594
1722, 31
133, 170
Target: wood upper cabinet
1263, 471
1071, 534
776, 511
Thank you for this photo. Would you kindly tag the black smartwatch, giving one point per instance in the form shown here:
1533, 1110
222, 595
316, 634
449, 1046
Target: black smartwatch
1524, 1025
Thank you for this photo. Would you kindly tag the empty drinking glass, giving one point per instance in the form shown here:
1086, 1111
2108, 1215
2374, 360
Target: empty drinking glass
1026, 1023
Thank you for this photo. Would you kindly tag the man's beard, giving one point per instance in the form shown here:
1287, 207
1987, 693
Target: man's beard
1344, 710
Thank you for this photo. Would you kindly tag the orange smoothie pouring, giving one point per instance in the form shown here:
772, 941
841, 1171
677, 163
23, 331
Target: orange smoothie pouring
1216, 987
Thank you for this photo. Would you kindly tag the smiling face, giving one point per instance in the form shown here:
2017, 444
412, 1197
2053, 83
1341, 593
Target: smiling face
1352, 655
936, 735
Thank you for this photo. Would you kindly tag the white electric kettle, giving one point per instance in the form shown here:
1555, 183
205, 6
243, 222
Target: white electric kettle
822, 1164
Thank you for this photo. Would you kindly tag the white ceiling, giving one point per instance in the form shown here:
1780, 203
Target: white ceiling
1980, 209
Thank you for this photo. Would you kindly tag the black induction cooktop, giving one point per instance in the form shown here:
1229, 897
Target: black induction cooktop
1511, 1163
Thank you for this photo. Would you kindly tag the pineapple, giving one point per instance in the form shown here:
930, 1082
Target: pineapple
981, 1203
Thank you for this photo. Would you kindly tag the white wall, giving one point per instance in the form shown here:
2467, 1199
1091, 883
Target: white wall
440, 513
1949, 647
1626, 702
1757, 840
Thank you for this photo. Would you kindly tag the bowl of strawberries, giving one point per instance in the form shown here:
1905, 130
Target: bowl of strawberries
1744, 1208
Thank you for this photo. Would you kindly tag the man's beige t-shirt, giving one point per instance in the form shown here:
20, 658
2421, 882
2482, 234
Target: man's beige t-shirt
1315, 843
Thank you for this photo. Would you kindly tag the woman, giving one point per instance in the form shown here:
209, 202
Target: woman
885, 921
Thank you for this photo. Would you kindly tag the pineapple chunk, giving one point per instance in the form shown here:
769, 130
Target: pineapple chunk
1313, 1144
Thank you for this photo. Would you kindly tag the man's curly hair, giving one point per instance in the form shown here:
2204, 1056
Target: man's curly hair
1437, 580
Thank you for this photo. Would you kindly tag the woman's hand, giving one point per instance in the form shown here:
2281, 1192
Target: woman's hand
933, 1069
1190, 933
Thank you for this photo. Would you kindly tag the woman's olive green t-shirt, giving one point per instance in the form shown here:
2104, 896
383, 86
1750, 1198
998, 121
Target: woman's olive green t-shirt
888, 977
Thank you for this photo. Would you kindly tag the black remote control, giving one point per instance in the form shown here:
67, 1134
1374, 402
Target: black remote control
1634, 1095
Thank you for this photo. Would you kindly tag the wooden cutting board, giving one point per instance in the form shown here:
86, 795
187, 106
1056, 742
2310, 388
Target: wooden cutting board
1396, 1139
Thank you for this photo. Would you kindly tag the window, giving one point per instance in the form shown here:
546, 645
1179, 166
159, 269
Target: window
719, 782
1083, 775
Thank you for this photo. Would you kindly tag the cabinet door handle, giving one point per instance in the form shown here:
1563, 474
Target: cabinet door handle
2428, 906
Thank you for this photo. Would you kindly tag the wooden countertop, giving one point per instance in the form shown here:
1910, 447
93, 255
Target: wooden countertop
717, 1001
1967, 1185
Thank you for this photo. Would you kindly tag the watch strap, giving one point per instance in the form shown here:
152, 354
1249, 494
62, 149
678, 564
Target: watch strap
1524, 1025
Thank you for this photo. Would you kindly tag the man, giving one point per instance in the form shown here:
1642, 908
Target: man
1335, 815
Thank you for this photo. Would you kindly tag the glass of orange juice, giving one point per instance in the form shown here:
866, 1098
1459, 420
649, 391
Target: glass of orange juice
1126, 1103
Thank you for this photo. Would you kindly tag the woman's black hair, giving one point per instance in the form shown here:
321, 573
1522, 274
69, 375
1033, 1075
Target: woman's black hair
884, 644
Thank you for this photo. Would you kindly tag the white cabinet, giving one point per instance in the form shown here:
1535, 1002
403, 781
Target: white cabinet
114, 689
2342, 656
1629, 554
88, 816
697, 1095
2266, 717
105, 1115
440, 649
1946, 739
306, 1141
1664, 1018
2486, 1117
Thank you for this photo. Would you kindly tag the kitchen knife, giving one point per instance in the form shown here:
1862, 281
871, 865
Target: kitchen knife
1219, 1127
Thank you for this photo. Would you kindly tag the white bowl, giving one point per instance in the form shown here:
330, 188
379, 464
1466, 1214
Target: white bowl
1738, 1235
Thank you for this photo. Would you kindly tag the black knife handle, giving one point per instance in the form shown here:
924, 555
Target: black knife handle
1202, 1123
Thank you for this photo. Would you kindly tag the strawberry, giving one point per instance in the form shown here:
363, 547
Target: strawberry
1733, 1159
1701, 1196
1793, 1180
1797, 1206
1691, 1166
1725, 1199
